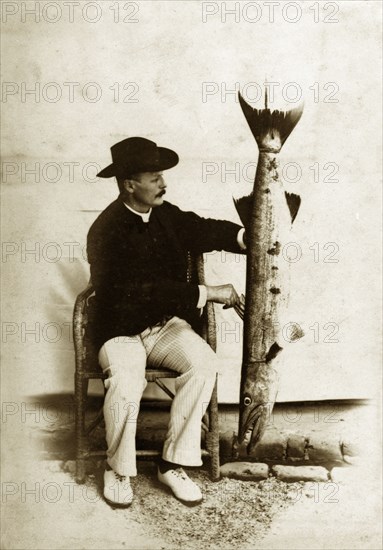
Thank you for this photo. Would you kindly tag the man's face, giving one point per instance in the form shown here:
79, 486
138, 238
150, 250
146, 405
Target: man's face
147, 190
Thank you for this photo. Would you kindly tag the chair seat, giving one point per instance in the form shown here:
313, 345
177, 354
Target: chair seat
152, 374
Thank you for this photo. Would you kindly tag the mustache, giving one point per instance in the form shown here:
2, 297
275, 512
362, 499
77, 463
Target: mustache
161, 193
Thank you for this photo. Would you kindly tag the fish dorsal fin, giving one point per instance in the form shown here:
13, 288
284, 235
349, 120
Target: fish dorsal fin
293, 202
244, 207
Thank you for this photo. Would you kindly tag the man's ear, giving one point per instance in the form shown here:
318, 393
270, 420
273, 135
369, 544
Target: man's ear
129, 185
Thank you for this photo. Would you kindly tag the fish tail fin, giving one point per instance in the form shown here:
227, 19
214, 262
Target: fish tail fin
270, 128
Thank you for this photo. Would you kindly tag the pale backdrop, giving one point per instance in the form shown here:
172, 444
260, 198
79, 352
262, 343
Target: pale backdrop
169, 54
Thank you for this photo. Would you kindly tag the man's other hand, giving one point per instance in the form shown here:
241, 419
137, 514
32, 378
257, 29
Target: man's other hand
223, 294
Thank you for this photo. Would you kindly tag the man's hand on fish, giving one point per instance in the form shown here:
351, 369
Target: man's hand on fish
223, 294
240, 308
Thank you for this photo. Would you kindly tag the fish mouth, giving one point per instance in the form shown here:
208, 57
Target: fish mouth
254, 427
250, 438
249, 434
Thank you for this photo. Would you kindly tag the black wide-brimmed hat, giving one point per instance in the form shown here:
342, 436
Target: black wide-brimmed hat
137, 154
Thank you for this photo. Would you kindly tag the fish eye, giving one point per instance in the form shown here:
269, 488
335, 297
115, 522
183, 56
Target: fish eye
247, 400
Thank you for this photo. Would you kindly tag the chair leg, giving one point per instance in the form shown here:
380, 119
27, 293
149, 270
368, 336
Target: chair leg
81, 390
212, 437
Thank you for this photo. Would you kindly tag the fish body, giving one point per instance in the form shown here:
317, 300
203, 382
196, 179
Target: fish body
267, 215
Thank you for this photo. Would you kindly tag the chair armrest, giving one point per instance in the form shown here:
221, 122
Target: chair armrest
209, 329
79, 323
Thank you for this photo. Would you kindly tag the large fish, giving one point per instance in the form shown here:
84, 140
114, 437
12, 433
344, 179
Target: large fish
267, 214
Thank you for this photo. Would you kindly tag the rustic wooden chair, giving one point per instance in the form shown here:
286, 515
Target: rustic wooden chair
87, 367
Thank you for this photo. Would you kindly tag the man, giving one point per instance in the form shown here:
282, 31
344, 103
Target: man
137, 249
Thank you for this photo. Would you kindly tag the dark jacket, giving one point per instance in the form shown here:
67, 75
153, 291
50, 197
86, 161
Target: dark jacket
139, 269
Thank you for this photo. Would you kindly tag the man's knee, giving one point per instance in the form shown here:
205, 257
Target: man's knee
206, 367
123, 353
124, 361
126, 384
206, 361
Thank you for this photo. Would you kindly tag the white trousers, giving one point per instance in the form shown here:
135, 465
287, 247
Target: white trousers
173, 345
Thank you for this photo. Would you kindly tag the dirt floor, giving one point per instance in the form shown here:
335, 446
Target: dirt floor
46, 509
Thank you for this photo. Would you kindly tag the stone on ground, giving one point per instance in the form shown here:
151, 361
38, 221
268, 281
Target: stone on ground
300, 473
252, 471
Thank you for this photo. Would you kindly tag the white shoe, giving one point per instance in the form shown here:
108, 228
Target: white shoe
182, 486
117, 489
